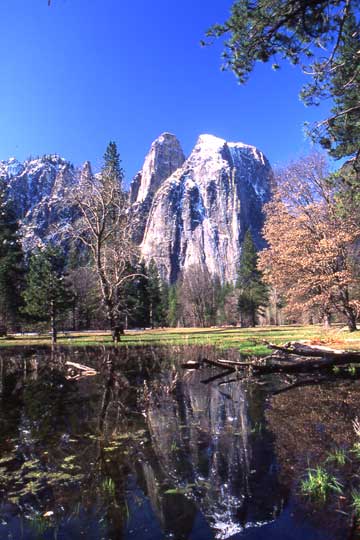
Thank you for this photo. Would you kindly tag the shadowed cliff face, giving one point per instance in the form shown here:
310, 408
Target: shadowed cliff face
200, 214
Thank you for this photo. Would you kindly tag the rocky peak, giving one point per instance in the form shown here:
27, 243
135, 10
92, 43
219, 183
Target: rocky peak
36, 178
164, 157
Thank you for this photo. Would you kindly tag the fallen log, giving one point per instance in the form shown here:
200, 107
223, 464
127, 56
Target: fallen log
226, 363
234, 363
303, 349
293, 357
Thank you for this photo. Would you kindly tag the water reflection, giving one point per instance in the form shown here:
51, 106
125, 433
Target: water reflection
141, 450
209, 443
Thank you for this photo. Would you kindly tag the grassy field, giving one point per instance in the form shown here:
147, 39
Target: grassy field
246, 340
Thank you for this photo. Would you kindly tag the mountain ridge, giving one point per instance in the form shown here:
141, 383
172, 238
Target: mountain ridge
185, 212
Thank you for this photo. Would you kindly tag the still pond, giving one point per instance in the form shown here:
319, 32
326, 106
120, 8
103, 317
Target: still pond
145, 449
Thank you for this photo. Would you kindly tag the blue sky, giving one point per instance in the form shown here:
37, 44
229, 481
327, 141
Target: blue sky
82, 72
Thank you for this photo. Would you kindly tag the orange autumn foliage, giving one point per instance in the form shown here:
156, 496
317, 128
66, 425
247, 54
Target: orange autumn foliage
312, 253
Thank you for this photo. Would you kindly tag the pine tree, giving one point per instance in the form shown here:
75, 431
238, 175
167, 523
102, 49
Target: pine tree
143, 300
154, 294
341, 135
112, 164
47, 293
164, 304
11, 262
253, 294
174, 306
141, 303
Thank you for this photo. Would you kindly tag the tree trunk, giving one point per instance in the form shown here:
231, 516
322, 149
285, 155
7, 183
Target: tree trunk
151, 316
351, 321
53, 324
74, 317
2, 376
106, 291
327, 320
348, 310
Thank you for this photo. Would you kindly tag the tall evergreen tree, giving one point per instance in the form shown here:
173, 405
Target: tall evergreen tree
154, 295
11, 262
164, 304
144, 298
139, 312
253, 294
174, 305
112, 164
47, 293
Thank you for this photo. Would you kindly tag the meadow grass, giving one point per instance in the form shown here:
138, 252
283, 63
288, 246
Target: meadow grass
246, 340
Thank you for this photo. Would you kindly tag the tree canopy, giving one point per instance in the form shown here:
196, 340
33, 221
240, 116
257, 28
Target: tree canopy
323, 38
312, 248
47, 292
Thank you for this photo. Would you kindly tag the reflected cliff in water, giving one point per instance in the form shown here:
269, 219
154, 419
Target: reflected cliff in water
211, 442
146, 450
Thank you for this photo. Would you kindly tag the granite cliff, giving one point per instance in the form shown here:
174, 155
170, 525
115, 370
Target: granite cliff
200, 213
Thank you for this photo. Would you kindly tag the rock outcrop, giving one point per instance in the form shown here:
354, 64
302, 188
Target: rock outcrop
199, 215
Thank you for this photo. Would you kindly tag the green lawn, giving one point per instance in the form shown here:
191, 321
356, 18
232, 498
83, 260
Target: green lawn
246, 340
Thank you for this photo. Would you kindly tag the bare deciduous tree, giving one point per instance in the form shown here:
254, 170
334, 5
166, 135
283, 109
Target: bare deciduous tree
104, 228
199, 296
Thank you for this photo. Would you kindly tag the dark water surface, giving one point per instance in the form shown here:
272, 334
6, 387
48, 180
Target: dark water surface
148, 450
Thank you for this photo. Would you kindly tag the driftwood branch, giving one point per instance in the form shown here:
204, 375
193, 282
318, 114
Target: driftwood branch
83, 371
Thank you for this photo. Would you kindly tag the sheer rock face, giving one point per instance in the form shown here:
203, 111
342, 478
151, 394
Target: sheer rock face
165, 156
200, 214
